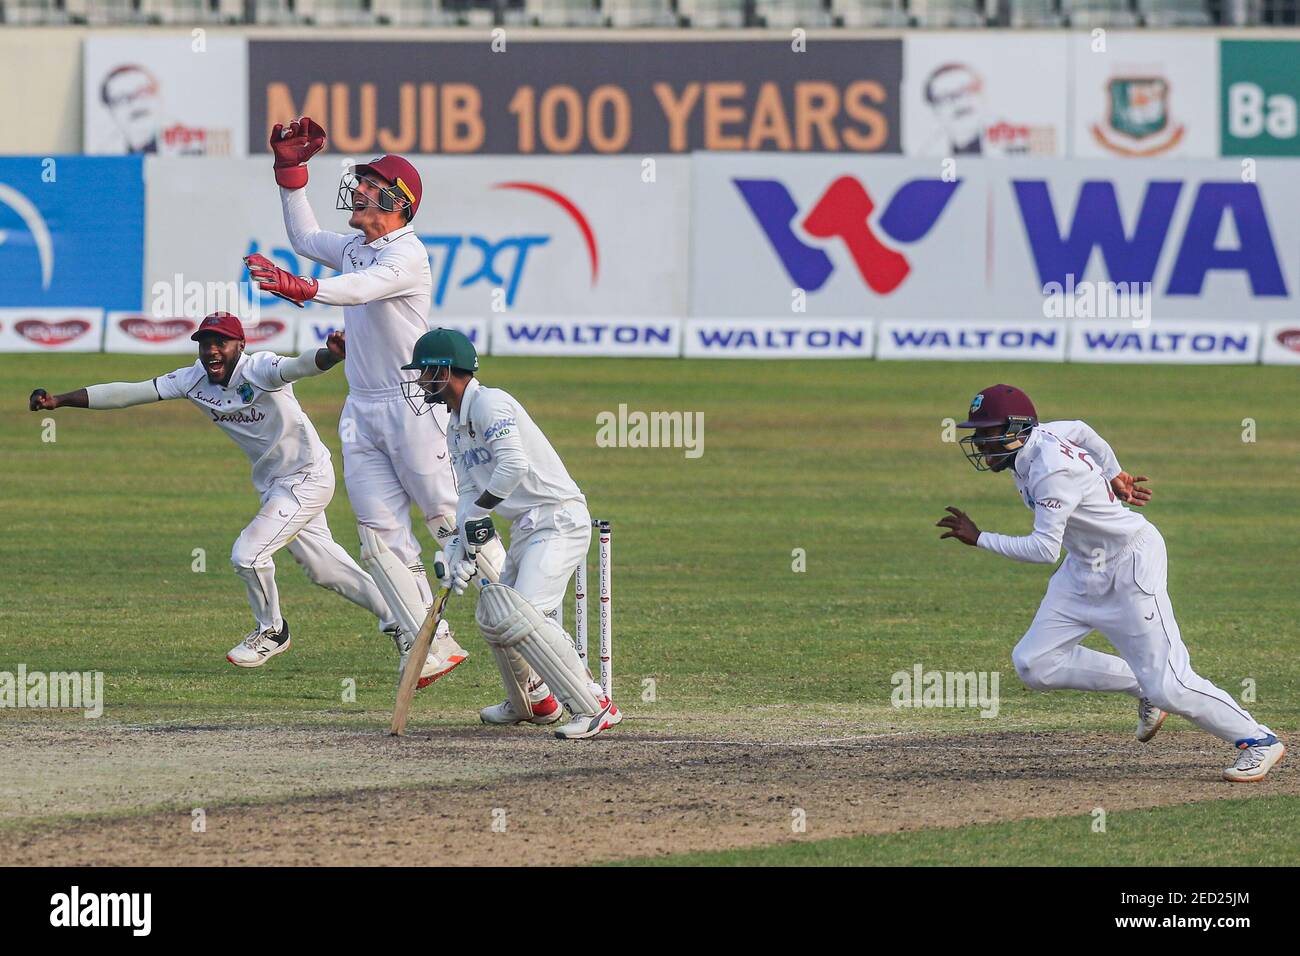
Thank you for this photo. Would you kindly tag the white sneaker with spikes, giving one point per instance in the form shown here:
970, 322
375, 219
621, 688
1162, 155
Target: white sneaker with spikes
1150, 717
260, 646
1255, 758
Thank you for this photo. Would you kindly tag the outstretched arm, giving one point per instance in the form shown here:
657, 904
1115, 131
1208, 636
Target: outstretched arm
110, 395
293, 145
305, 234
1055, 498
314, 362
391, 276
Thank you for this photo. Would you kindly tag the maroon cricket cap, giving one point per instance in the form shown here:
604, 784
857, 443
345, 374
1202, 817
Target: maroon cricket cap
399, 173
996, 404
220, 323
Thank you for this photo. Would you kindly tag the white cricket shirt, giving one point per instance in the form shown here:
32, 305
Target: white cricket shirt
496, 447
257, 409
386, 289
1063, 475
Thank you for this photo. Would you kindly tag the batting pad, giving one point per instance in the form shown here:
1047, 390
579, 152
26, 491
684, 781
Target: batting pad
394, 580
508, 620
515, 675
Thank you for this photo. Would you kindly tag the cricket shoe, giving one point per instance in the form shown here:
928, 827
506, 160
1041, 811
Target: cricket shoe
445, 655
260, 646
1150, 717
446, 650
1257, 757
545, 711
589, 725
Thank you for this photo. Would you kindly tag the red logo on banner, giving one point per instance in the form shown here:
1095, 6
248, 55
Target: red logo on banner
52, 334
1289, 339
156, 330
265, 330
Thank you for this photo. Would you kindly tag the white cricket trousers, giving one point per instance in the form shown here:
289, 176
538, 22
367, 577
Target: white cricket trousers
1128, 602
391, 459
293, 516
546, 546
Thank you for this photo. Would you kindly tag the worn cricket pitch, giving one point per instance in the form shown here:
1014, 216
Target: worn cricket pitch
757, 695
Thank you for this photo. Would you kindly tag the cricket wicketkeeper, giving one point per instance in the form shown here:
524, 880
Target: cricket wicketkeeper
390, 459
505, 464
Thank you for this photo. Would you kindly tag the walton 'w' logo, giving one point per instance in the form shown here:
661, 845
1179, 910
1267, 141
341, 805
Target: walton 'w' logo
842, 213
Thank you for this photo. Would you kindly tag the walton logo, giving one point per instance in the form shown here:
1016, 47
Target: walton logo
842, 212
1063, 247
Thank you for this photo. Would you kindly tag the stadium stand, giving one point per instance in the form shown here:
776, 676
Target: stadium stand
632, 14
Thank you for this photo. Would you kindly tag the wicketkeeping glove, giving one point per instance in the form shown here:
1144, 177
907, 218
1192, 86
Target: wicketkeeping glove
271, 278
293, 145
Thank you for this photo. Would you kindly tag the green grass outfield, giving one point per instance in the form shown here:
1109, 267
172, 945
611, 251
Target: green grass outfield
1261, 832
844, 460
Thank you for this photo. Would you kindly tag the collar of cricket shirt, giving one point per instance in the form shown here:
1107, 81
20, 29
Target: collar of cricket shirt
390, 237
1021, 455
238, 372
466, 400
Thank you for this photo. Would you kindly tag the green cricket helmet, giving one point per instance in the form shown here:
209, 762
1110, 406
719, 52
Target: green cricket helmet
437, 349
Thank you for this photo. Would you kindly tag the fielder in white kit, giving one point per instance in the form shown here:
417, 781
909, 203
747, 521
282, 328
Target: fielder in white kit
505, 464
390, 459
1113, 578
250, 397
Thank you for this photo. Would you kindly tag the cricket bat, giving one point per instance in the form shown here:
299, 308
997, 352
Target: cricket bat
415, 663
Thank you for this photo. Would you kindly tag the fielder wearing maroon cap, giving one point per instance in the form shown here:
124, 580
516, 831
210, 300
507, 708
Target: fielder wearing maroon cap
221, 344
220, 323
1002, 416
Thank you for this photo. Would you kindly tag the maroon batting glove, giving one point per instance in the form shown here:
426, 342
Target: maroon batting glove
271, 278
293, 145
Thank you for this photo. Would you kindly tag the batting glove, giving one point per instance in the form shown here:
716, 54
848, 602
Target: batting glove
271, 278
476, 534
293, 145
461, 575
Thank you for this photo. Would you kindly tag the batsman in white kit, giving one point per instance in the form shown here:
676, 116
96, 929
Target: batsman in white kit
390, 460
250, 397
505, 464
1113, 578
